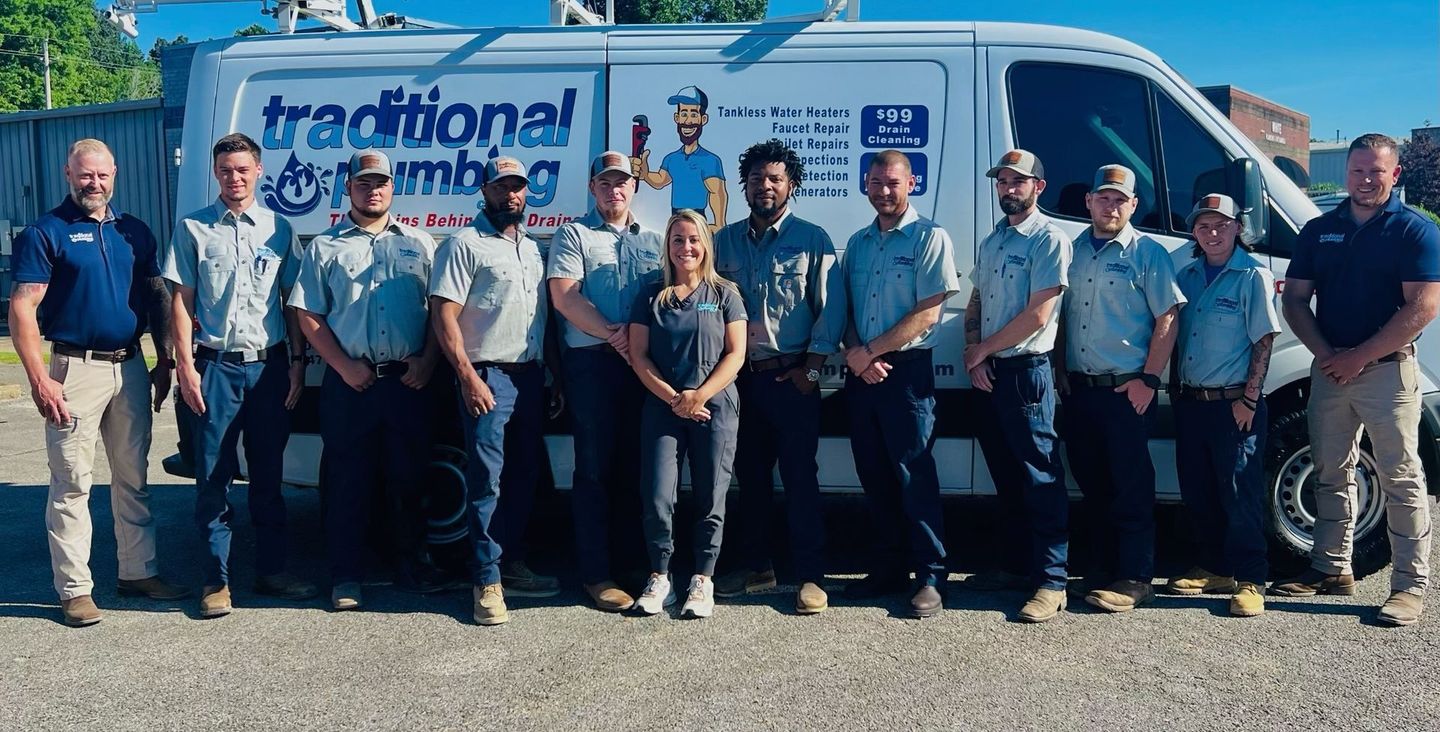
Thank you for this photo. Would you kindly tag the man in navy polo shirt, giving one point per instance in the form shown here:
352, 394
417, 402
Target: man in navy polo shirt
1373, 267
86, 278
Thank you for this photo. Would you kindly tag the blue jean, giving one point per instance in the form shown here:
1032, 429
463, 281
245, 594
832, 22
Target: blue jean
374, 439
604, 398
1023, 455
503, 447
246, 398
892, 435
1222, 484
779, 424
1109, 449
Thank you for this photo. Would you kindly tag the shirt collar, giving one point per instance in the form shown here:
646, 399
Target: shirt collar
593, 220
1030, 225
1126, 238
906, 219
71, 213
1393, 204
222, 212
779, 227
348, 226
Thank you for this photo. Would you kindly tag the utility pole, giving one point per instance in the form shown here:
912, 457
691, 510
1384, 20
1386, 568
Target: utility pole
47, 72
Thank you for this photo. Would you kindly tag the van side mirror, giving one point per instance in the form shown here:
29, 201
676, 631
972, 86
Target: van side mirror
1245, 184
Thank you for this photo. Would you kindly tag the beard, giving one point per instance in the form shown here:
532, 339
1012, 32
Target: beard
503, 220
1108, 228
1012, 205
767, 211
688, 139
90, 201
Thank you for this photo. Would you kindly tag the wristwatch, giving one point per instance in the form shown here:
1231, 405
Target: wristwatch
812, 375
1150, 380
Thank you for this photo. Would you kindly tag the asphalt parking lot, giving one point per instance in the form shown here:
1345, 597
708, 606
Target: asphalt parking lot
410, 663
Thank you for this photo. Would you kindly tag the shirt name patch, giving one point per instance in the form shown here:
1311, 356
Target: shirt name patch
901, 260
1332, 238
1119, 268
707, 307
1228, 304
647, 255
415, 253
85, 236
1015, 259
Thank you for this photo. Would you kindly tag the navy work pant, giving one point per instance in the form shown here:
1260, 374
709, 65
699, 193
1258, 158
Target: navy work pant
504, 450
373, 438
246, 398
1022, 451
604, 399
1109, 449
892, 435
666, 440
778, 423
1222, 484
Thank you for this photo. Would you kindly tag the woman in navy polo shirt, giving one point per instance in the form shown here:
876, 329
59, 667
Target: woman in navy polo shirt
1227, 327
687, 343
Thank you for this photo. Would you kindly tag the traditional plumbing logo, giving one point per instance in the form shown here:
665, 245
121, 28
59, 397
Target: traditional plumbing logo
452, 141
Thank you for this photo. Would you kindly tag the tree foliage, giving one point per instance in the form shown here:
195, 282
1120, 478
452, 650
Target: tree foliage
91, 61
254, 29
687, 11
1420, 171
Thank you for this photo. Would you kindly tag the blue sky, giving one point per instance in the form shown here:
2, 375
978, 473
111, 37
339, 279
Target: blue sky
1352, 66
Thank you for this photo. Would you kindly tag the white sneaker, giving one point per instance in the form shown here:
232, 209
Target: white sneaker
659, 594
700, 603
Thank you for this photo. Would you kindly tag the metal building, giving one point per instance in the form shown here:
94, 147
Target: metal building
32, 162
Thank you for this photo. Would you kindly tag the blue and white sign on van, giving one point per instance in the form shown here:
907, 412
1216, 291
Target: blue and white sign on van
439, 132
835, 115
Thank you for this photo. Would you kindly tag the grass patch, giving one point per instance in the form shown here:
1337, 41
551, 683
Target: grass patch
10, 358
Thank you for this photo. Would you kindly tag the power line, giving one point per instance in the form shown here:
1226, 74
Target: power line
81, 59
75, 45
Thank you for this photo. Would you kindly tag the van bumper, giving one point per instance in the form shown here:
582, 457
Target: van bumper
1430, 440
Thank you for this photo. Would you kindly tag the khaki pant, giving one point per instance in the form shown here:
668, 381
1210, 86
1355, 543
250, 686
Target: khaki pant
1385, 400
111, 402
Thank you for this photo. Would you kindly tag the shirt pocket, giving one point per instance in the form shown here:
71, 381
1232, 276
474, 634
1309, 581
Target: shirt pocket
217, 275
790, 276
497, 285
1221, 333
411, 274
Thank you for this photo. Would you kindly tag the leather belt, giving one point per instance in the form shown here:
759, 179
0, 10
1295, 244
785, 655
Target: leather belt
117, 356
391, 368
1029, 360
1404, 354
509, 368
1200, 394
599, 348
783, 361
210, 354
913, 354
1112, 380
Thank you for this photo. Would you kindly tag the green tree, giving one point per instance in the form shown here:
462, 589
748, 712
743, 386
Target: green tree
1420, 171
161, 44
686, 11
254, 29
91, 61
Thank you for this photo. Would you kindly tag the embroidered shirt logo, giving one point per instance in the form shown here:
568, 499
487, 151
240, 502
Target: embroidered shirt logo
1015, 259
85, 236
414, 253
1332, 238
1119, 268
1227, 304
707, 307
901, 260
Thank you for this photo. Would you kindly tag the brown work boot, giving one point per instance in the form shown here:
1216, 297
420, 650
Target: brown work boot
744, 582
1201, 582
80, 611
1403, 608
811, 599
153, 588
1313, 582
490, 604
1043, 605
1248, 601
926, 601
215, 601
285, 586
609, 597
1122, 596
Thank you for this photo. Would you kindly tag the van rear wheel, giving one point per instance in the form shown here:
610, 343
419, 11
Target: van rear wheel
1290, 472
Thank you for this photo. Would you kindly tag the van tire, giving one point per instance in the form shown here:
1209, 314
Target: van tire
1289, 482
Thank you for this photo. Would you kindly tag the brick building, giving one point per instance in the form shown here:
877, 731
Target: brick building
1281, 132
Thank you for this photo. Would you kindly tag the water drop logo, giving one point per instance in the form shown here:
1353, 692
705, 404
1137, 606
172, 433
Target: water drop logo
298, 189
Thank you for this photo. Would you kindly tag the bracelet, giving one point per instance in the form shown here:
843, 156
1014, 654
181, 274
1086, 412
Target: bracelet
1250, 404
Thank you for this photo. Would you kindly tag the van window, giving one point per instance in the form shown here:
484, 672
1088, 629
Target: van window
1078, 118
1194, 162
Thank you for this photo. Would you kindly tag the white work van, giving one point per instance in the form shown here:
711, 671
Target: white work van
953, 96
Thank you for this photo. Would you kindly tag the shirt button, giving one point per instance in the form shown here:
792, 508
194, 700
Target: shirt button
1086, 304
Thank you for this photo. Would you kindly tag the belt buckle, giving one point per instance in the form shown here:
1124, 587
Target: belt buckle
248, 356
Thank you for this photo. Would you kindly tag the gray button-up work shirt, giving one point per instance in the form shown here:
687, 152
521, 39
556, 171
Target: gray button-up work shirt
794, 293
612, 266
1115, 295
1016, 262
371, 288
501, 283
237, 264
887, 273
1222, 320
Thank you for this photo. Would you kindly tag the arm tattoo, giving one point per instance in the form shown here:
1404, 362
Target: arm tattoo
157, 298
1259, 363
972, 319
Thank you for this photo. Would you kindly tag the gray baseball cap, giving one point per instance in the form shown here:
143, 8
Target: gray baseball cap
1023, 162
608, 161
370, 162
505, 167
1114, 178
1213, 203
